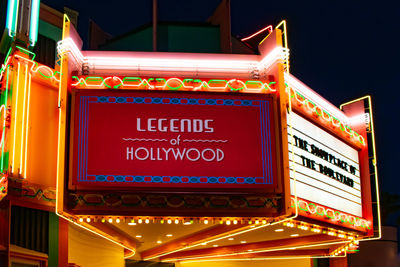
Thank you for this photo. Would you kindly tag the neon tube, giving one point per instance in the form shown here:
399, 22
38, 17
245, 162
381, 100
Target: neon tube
261, 259
317, 110
171, 67
34, 23
223, 237
4, 120
337, 216
15, 14
361, 118
59, 91
6, 62
68, 45
285, 45
160, 63
209, 241
23, 120
293, 165
12, 16
27, 126
130, 255
60, 137
257, 251
172, 64
4, 109
273, 56
98, 82
269, 28
36, 68
316, 98
15, 117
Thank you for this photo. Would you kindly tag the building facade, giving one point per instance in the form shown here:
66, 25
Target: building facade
127, 158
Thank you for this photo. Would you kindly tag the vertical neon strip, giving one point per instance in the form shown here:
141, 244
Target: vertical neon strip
285, 45
58, 161
12, 15
59, 86
16, 17
61, 134
2, 107
4, 120
33, 26
66, 19
15, 118
27, 125
23, 120
374, 162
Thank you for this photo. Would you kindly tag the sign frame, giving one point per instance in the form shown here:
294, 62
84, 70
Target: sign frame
363, 163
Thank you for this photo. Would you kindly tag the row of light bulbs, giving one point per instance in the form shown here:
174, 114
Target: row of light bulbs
291, 224
148, 220
300, 225
345, 248
318, 229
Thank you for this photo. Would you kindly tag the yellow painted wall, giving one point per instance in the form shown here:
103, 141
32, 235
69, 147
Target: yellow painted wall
89, 250
247, 263
43, 134
33, 134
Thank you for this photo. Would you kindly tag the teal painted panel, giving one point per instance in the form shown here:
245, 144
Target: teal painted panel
195, 39
50, 31
138, 41
170, 38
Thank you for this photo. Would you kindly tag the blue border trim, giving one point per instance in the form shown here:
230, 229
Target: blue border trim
175, 101
174, 179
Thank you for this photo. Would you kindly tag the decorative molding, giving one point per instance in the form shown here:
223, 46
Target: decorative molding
323, 213
173, 203
21, 188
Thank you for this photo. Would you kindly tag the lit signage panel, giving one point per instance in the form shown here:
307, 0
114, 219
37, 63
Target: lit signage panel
326, 169
173, 139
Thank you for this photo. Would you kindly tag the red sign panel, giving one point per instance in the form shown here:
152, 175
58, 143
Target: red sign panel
173, 139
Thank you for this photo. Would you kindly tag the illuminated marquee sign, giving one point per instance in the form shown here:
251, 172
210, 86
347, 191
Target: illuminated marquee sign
326, 169
168, 139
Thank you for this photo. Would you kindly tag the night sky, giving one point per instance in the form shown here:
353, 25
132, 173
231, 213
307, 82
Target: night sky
341, 49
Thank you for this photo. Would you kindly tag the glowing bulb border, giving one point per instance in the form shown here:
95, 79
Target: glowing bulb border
307, 208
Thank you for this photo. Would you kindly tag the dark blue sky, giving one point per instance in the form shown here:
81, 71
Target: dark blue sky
341, 49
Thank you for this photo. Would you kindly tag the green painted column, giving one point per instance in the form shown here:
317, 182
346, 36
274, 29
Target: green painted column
53, 240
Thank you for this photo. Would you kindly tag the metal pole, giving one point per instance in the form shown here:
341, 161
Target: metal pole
154, 25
